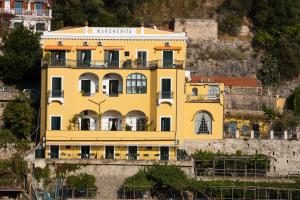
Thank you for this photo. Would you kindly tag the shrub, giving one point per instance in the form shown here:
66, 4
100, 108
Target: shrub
81, 181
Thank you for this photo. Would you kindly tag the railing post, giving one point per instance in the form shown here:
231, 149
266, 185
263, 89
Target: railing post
252, 134
237, 134
285, 136
272, 135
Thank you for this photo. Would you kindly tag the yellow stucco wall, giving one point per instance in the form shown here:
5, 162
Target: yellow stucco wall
181, 110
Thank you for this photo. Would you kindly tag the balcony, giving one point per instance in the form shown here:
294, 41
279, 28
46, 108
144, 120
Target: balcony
123, 64
107, 137
205, 98
56, 95
165, 96
25, 12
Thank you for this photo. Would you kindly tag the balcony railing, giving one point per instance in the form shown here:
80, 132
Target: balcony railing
202, 98
25, 12
165, 95
125, 64
56, 93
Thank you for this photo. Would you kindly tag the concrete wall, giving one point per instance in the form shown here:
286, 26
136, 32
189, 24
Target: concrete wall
285, 154
199, 29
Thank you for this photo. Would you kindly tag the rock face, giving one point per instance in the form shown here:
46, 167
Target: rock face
234, 58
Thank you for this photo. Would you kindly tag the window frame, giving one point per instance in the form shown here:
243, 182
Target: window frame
142, 89
168, 117
198, 123
51, 116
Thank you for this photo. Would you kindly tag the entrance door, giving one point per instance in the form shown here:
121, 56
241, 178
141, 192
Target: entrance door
113, 87
111, 58
164, 153
168, 59
132, 153
56, 87
85, 152
109, 152
113, 124
54, 151
142, 59
166, 89
85, 124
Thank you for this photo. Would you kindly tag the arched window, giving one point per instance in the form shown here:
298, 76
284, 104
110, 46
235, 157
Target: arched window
136, 84
213, 91
194, 91
203, 123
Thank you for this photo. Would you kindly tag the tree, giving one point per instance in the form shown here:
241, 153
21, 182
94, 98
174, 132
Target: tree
20, 117
21, 52
81, 181
268, 71
296, 102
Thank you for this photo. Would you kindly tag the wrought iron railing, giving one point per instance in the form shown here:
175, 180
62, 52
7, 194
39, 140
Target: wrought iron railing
202, 98
25, 12
56, 93
165, 95
124, 64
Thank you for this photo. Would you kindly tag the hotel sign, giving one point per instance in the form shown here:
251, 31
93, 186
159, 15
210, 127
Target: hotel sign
114, 31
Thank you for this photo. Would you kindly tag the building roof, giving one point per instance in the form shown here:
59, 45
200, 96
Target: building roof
228, 81
113, 33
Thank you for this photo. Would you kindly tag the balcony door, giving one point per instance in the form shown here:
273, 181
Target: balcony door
85, 124
167, 59
166, 88
113, 124
165, 124
56, 90
58, 58
113, 87
54, 151
86, 87
84, 58
142, 59
111, 58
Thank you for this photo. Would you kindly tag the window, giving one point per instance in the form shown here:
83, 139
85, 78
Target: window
85, 152
86, 87
142, 59
167, 59
56, 88
166, 88
164, 153
18, 6
126, 53
54, 151
165, 124
136, 84
84, 58
18, 24
111, 58
203, 123
194, 91
132, 153
232, 127
58, 58
109, 152
55, 122
245, 129
40, 26
213, 91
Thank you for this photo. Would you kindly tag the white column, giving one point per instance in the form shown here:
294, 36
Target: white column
252, 134
237, 134
285, 135
272, 135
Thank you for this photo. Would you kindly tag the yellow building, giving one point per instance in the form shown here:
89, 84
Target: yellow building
123, 93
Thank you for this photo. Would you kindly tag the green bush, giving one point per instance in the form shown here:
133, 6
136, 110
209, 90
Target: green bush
81, 181
41, 173
20, 117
